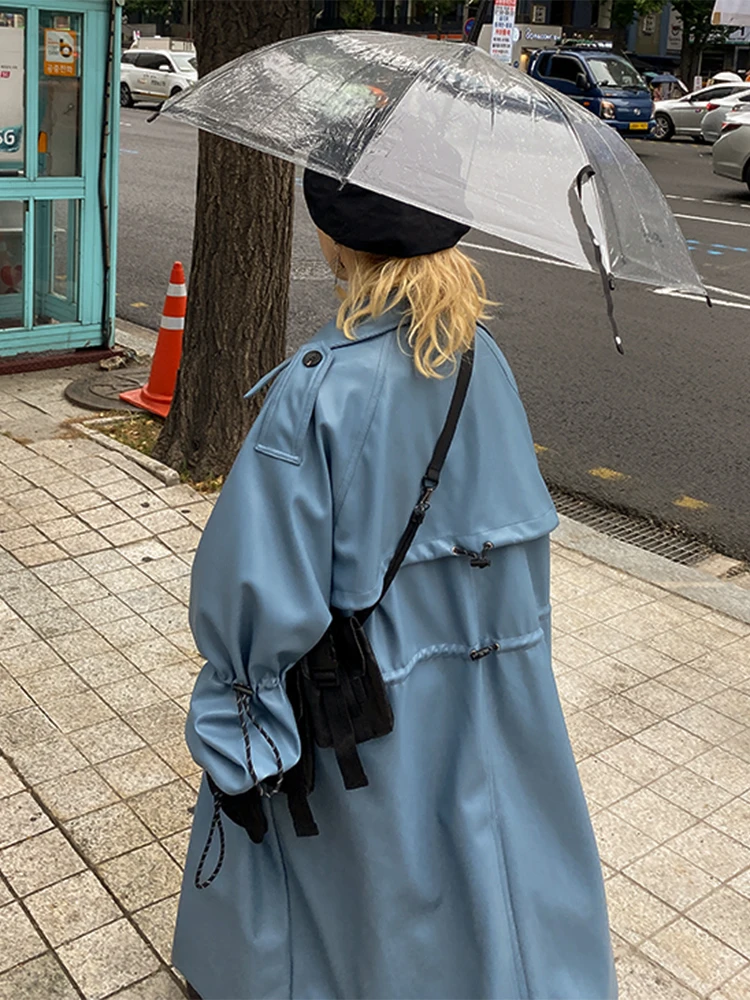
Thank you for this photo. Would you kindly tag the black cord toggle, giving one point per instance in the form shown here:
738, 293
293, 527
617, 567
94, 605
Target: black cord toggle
479, 560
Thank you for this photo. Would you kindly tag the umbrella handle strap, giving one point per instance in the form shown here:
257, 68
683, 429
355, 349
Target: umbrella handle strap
608, 282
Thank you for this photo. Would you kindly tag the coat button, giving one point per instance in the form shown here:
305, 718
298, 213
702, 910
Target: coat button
312, 358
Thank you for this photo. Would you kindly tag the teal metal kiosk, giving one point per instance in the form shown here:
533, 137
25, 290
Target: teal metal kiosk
59, 70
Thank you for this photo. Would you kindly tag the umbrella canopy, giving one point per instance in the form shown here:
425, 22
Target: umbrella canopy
447, 128
731, 12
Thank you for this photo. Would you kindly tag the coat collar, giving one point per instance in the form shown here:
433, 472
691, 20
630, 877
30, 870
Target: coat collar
331, 336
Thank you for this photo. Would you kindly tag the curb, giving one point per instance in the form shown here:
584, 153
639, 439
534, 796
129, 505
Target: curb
682, 581
170, 477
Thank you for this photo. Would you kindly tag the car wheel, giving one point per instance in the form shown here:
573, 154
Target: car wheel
126, 98
664, 129
175, 90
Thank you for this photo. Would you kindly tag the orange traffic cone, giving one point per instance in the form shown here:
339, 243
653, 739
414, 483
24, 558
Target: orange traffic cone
156, 395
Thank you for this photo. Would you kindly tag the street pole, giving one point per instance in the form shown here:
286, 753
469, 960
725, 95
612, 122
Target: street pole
480, 19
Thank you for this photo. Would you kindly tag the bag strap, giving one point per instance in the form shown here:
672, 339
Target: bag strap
430, 480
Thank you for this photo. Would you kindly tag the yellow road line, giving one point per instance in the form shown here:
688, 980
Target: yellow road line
610, 474
690, 503
139, 305
539, 448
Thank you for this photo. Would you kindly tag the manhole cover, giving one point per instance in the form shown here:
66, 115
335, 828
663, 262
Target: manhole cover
101, 391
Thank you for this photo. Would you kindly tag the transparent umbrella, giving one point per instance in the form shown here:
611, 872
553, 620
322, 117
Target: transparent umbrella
447, 128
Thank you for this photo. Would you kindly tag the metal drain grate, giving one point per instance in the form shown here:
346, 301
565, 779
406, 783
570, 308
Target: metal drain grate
667, 542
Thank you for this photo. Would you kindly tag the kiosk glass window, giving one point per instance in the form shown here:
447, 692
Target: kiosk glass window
59, 94
12, 244
56, 261
12, 102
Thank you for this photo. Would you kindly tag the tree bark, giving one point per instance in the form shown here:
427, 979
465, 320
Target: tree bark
238, 293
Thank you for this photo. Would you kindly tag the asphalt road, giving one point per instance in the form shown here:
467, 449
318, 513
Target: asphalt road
664, 431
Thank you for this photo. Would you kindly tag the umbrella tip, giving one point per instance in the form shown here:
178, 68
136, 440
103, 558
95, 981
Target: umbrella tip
618, 344
154, 116
709, 303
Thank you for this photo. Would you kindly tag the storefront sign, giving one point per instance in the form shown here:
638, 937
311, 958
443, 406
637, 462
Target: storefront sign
11, 97
59, 52
503, 23
674, 32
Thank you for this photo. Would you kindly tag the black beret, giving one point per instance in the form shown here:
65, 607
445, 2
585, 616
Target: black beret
363, 220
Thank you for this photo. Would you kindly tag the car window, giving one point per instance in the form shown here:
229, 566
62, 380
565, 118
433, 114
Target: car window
185, 62
564, 68
151, 60
613, 71
128, 57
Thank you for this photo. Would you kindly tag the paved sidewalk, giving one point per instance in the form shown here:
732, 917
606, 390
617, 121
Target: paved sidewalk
96, 666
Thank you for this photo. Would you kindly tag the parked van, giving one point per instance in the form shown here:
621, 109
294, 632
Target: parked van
605, 83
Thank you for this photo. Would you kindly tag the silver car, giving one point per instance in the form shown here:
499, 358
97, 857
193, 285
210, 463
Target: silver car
683, 116
717, 111
731, 151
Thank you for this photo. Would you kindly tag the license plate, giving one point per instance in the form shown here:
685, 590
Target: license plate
642, 126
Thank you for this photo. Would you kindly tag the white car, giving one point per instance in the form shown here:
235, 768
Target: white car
717, 111
683, 115
154, 74
731, 152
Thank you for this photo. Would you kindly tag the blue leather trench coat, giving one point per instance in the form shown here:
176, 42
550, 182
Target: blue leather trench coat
467, 868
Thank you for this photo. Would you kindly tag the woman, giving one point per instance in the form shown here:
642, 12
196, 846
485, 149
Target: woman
466, 867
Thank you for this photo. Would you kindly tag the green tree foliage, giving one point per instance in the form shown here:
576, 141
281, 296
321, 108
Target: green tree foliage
358, 13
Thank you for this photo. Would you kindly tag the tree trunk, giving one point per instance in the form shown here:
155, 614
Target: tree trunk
238, 293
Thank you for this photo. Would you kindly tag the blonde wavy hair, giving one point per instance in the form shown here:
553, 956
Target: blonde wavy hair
443, 295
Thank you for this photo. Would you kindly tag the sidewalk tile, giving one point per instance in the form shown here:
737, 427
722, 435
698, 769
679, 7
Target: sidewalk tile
61, 572
693, 792
52, 683
739, 745
158, 722
160, 986
169, 619
102, 612
50, 758
141, 877
12, 695
104, 834
571, 651
732, 665
80, 644
733, 819
24, 727
166, 569
185, 642
611, 601
624, 715
658, 698
29, 498
693, 956
40, 977
176, 678
179, 588
635, 913
139, 553
73, 907
83, 544
152, 654
703, 630
124, 581
672, 742
177, 845
77, 711
641, 979
691, 682
59, 621
671, 877
615, 676
120, 488
105, 476
653, 815
39, 861
167, 809
75, 794
81, 590
63, 527
603, 783
733, 703
9, 783
708, 724
726, 914
126, 532
128, 631
157, 923
142, 503
636, 760
100, 563
736, 988
103, 668
107, 959
163, 520
149, 598
84, 500
174, 496
13, 541
18, 939
182, 539
176, 754
678, 647
105, 740
39, 555
15, 632
724, 769
619, 843
712, 850
104, 516
648, 620
131, 693
588, 735
136, 772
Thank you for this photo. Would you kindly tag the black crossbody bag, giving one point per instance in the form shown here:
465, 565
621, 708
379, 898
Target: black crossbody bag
336, 690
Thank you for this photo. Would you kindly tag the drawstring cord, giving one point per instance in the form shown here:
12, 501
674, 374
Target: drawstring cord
479, 560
